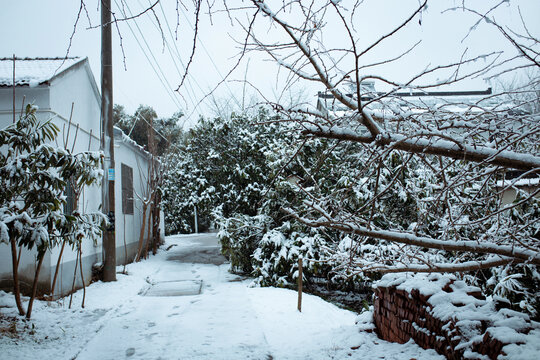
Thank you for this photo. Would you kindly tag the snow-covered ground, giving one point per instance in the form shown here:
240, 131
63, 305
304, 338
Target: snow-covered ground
227, 320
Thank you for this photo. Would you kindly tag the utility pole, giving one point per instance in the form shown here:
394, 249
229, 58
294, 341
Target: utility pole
107, 142
14, 88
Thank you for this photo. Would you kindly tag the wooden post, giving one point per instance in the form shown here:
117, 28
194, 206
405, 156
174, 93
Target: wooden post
14, 88
107, 145
196, 220
300, 284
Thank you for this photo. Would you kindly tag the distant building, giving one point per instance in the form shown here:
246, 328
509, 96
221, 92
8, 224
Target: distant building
54, 85
449, 101
406, 99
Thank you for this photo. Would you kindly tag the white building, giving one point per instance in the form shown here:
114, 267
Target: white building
64, 89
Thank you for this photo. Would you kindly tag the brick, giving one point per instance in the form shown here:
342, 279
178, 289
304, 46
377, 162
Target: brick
477, 294
395, 310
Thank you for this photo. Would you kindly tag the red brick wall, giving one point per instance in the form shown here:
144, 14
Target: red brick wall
400, 315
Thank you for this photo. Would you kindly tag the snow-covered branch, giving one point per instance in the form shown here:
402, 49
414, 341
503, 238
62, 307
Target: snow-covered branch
433, 146
441, 267
519, 253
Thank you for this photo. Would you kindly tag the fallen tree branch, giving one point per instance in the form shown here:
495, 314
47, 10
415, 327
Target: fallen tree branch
446, 148
442, 268
524, 255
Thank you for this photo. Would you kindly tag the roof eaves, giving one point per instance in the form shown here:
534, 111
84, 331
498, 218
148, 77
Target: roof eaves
69, 68
44, 81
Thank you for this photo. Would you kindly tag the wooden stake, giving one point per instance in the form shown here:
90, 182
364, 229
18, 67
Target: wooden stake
300, 284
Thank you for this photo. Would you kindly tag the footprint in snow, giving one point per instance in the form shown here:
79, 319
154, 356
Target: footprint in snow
130, 352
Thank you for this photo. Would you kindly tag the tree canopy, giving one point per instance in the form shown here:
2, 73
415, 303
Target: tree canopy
166, 130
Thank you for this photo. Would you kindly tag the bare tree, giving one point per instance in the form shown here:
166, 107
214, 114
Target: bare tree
474, 150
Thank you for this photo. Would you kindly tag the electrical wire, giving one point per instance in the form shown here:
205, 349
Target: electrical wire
163, 80
174, 58
178, 53
213, 63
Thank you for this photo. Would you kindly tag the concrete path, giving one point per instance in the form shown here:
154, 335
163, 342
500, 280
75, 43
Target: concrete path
183, 303
202, 249
190, 327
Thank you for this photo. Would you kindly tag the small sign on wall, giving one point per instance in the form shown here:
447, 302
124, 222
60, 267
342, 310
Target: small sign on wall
111, 175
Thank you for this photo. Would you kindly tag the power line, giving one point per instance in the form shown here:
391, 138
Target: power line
189, 75
178, 53
171, 92
213, 63
191, 96
163, 80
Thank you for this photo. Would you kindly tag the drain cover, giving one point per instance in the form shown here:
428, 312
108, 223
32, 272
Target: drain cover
175, 288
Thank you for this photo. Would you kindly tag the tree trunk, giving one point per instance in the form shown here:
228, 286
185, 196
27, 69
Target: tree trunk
41, 256
150, 226
57, 268
141, 234
16, 289
156, 212
82, 277
74, 278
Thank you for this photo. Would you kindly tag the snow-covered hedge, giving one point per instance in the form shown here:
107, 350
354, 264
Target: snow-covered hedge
255, 182
275, 261
240, 237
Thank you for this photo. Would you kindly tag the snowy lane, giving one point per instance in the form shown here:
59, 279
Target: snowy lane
228, 320
212, 325
221, 325
217, 324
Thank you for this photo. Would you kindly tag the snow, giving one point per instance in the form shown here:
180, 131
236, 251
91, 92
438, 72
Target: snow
228, 320
4, 233
519, 182
32, 72
126, 139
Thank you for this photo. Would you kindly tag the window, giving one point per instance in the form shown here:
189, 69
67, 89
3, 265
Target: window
127, 189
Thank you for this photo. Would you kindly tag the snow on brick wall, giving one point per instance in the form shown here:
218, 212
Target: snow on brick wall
442, 313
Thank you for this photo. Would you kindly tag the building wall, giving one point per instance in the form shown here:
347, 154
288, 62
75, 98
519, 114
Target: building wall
38, 96
128, 225
77, 86
80, 131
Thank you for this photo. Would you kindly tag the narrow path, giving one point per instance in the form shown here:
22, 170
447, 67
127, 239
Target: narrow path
227, 320
217, 322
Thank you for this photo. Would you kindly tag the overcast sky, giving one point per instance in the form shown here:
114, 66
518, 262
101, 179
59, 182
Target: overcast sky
32, 28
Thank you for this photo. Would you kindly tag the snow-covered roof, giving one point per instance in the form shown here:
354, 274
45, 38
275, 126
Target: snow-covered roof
34, 71
119, 134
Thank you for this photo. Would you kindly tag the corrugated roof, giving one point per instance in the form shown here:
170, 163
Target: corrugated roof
33, 71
